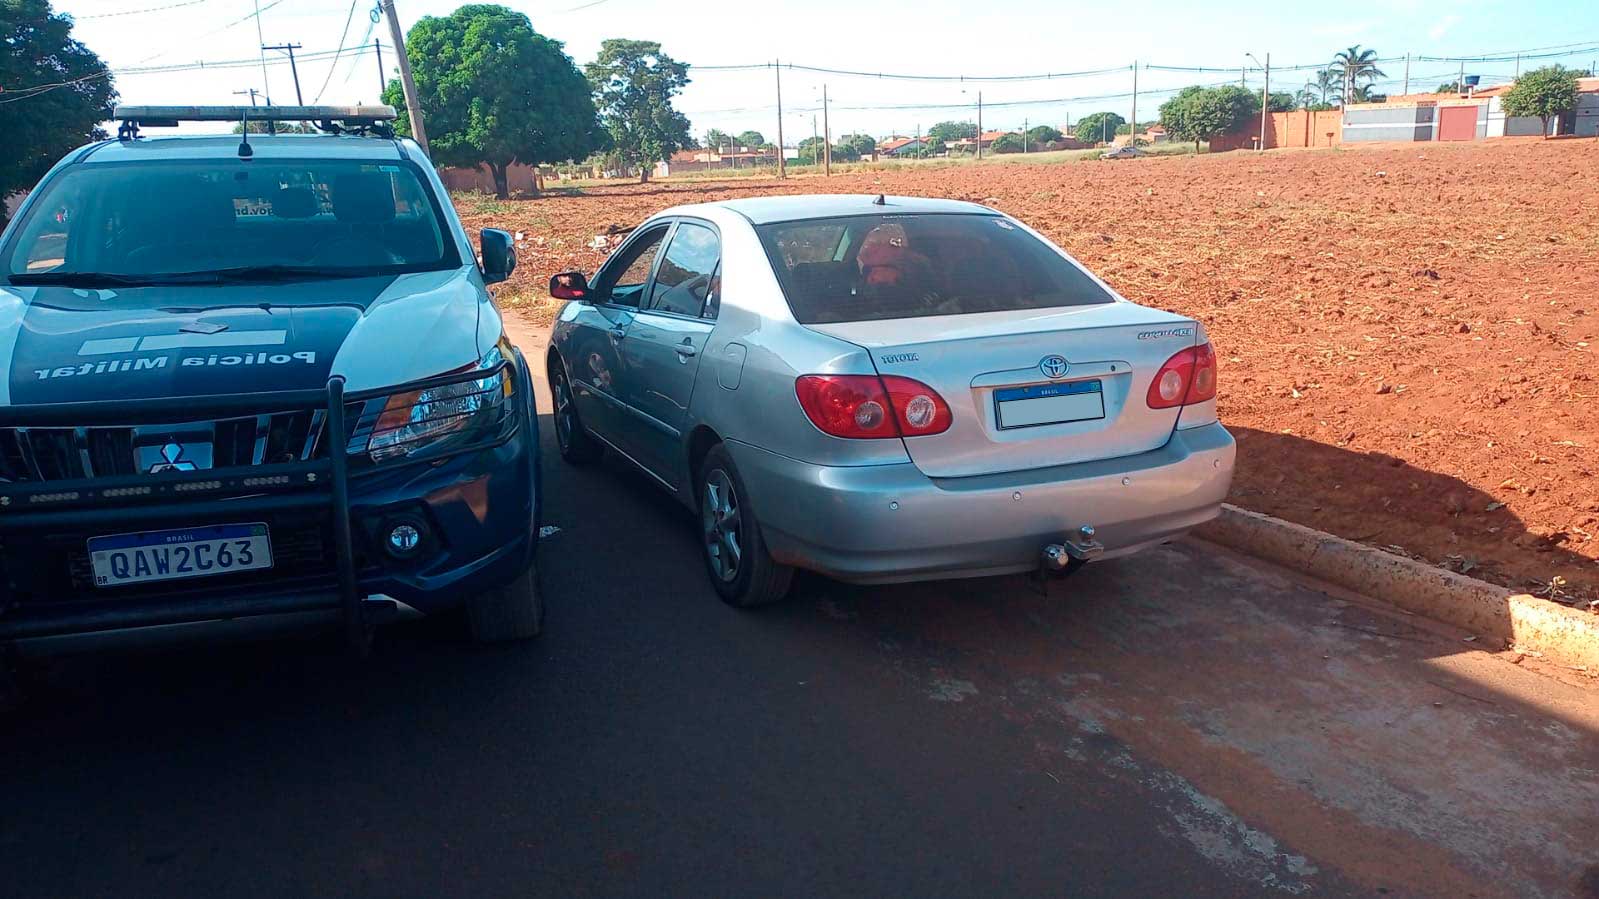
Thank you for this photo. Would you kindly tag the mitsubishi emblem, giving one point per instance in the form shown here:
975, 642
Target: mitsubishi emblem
172, 460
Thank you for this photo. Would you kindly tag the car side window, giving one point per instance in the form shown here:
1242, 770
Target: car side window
623, 281
713, 300
683, 282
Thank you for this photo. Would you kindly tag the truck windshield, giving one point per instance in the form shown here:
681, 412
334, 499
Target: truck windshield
873, 267
210, 219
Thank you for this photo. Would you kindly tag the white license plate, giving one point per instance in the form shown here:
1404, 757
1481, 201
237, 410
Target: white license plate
1049, 404
180, 553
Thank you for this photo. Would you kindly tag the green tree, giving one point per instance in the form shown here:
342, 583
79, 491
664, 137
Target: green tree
634, 83
863, 145
1545, 93
810, 151
1008, 143
1356, 70
1450, 87
751, 139
1098, 126
1327, 86
951, 131
1043, 134
1281, 101
717, 139
57, 92
935, 147
1201, 113
494, 92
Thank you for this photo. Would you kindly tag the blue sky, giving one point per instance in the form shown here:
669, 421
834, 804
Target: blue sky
943, 37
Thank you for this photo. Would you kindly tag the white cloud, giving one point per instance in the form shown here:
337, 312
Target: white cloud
1438, 31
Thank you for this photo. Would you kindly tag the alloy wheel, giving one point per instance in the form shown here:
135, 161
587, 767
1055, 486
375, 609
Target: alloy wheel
719, 512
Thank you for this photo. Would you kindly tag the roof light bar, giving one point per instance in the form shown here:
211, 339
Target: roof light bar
157, 116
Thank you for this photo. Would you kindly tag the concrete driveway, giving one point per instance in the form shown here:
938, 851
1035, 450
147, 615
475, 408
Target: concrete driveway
1185, 722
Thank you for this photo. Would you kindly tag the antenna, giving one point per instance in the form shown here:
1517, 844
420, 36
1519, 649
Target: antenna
245, 151
880, 201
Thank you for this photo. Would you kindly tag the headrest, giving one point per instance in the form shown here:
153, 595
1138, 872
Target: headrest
364, 198
294, 203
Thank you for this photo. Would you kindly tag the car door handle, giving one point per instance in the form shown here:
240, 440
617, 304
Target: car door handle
618, 333
686, 350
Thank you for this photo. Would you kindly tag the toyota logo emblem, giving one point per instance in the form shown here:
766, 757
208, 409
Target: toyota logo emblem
1054, 366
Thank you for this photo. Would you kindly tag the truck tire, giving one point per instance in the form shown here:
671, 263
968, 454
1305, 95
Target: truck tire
512, 612
577, 447
742, 572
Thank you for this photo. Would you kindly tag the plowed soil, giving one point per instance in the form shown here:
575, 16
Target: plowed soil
1408, 334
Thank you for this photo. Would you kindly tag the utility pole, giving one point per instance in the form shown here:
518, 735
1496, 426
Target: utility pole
412, 106
252, 92
1025, 139
289, 49
979, 124
383, 78
266, 87
1241, 82
827, 138
1460, 82
1265, 96
782, 164
1132, 126
816, 138
1518, 65
1407, 74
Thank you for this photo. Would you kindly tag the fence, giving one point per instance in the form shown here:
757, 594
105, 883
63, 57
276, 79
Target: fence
1299, 128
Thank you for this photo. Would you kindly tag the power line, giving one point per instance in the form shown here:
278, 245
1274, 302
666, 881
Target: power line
139, 12
335, 64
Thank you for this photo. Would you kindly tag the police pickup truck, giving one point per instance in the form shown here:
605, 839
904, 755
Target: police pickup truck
254, 381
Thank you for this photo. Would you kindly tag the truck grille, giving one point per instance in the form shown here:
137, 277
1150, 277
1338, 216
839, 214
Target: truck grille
56, 454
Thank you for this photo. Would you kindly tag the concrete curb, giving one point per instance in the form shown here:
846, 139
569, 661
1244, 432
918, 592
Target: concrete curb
1563, 635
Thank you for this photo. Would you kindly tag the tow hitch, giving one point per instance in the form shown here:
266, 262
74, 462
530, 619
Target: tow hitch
1060, 559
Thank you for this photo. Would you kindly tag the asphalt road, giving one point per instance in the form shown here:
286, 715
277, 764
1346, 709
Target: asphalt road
1183, 723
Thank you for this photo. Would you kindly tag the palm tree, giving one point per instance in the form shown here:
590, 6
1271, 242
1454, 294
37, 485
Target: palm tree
1329, 85
1356, 66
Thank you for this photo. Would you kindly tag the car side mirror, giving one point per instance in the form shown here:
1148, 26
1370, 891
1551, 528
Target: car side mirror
499, 255
569, 286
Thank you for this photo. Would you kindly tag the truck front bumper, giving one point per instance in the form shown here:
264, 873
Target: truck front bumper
475, 507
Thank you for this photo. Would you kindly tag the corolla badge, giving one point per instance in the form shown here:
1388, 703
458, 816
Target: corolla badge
172, 460
1054, 366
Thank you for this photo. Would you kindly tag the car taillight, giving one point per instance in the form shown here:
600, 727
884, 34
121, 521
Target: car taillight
919, 408
866, 406
1188, 377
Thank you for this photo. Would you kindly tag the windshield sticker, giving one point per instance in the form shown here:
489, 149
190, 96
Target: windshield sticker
1004, 224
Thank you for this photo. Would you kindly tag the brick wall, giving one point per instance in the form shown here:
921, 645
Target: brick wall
1300, 128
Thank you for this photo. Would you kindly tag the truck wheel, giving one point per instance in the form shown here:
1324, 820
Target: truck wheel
512, 612
577, 447
741, 569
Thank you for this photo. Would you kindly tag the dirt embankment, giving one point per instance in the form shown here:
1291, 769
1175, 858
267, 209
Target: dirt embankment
1408, 334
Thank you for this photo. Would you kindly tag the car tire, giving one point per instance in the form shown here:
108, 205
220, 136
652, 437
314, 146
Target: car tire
576, 445
514, 611
753, 579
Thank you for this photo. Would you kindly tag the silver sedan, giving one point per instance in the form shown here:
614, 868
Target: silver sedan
886, 389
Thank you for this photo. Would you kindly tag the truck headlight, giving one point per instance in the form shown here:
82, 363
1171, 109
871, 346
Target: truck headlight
476, 408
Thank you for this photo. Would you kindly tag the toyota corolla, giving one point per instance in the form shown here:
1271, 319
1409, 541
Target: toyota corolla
886, 389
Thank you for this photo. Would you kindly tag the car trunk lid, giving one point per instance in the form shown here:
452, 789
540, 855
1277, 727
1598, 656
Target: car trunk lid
1031, 388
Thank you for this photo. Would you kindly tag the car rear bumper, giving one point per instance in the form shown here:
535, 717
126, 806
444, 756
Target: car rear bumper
889, 523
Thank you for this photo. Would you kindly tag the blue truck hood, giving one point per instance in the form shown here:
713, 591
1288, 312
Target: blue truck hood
63, 344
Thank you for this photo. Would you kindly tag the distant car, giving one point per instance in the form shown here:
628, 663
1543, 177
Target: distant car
253, 384
1123, 153
886, 389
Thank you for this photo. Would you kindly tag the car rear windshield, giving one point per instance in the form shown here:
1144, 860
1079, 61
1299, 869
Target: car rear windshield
151, 219
874, 267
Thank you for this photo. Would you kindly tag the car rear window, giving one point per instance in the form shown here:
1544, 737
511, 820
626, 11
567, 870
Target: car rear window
875, 267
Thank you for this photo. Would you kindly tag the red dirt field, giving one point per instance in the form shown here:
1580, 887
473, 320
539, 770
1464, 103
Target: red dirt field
1408, 334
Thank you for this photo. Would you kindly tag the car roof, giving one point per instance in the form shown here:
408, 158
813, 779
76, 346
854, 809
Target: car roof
764, 210
263, 146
